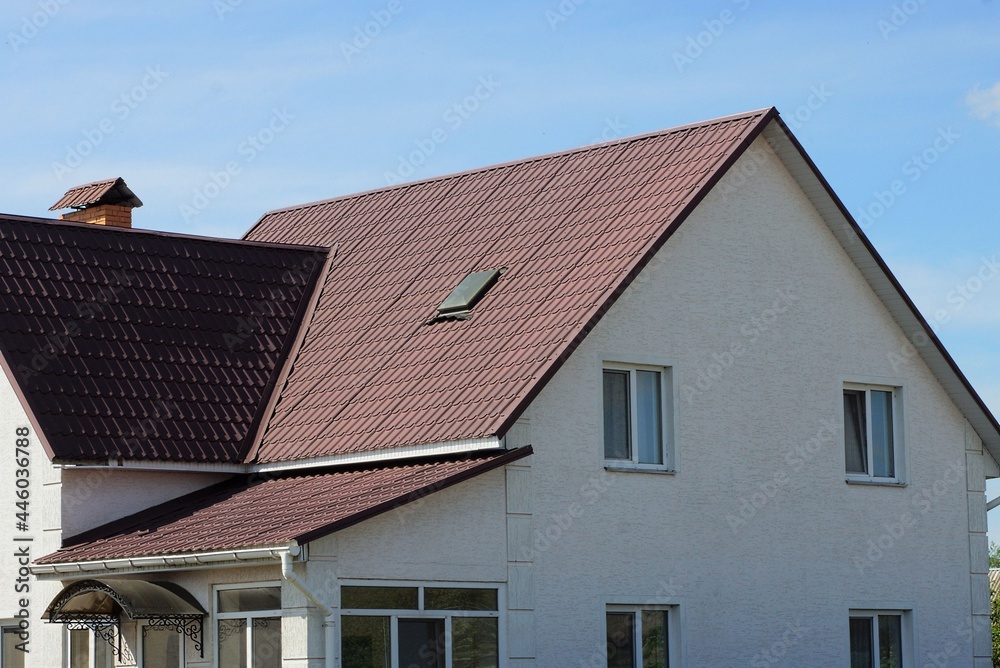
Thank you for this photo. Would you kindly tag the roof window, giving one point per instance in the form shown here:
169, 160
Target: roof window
472, 288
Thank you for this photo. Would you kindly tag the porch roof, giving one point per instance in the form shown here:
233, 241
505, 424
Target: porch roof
264, 511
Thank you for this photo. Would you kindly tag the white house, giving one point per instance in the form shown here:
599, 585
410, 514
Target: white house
652, 402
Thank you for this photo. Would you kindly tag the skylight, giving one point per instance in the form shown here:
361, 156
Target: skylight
469, 291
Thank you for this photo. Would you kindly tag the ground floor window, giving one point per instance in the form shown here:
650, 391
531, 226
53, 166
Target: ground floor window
162, 647
877, 639
424, 626
87, 650
11, 656
248, 626
638, 636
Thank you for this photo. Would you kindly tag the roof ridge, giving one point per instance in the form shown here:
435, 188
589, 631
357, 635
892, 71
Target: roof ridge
520, 161
104, 229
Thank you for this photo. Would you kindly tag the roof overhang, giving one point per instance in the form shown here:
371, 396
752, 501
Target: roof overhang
921, 339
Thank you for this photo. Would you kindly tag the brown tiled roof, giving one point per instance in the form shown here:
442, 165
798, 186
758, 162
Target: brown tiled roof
145, 345
256, 511
571, 229
109, 191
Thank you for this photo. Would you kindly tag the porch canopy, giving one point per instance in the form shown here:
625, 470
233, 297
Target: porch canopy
100, 604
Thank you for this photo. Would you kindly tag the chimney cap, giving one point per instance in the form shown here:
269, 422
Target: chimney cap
109, 191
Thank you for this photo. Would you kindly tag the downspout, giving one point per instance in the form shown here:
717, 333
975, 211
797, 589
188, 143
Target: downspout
330, 614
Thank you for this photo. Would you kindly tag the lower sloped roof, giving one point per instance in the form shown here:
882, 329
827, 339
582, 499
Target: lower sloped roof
263, 511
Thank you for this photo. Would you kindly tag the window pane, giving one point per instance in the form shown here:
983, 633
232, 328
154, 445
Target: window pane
248, 600
232, 643
103, 657
855, 432
649, 416
365, 642
79, 649
882, 453
862, 653
267, 642
621, 640
421, 643
474, 642
459, 599
890, 641
161, 647
12, 657
616, 415
378, 598
654, 639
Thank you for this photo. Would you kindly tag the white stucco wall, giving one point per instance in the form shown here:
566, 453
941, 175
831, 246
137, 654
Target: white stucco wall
94, 496
40, 538
763, 425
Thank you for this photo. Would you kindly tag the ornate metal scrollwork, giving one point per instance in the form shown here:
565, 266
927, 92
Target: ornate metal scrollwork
191, 626
107, 629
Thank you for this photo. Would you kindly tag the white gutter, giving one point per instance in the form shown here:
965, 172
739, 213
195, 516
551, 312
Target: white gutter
172, 561
329, 624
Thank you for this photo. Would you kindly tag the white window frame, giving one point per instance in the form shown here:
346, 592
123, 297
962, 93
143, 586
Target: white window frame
898, 433
141, 626
667, 416
674, 647
906, 631
499, 614
94, 639
248, 615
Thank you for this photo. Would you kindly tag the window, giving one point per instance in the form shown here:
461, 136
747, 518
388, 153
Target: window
877, 640
11, 656
636, 403
162, 647
248, 626
399, 627
87, 650
872, 442
638, 637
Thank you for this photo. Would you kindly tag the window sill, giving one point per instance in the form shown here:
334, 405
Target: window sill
875, 482
628, 468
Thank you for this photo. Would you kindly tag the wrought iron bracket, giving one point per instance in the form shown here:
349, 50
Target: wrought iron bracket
190, 626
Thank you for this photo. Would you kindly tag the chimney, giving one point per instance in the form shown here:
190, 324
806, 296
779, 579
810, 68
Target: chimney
108, 202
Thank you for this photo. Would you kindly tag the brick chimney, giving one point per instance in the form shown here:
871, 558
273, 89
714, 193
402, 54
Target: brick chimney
108, 202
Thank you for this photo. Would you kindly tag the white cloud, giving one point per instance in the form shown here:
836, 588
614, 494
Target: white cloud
985, 103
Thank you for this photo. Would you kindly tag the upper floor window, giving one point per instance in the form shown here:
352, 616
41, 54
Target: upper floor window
636, 414
872, 433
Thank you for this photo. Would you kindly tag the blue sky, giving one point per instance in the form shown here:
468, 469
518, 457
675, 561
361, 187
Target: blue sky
218, 110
